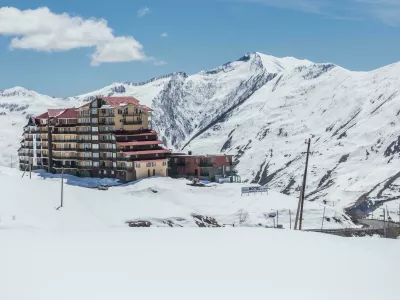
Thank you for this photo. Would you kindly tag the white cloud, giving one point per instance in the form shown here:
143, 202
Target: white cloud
42, 30
160, 63
164, 35
143, 11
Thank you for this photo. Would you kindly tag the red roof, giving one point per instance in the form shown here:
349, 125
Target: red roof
141, 143
124, 133
147, 152
117, 101
43, 116
69, 113
55, 112
144, 107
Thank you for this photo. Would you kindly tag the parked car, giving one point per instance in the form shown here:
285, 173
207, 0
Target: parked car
103, 187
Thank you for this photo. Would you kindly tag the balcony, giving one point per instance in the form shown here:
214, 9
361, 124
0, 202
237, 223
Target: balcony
205, 164
106, 114
107, 158
106, 122
64, 149
135, 114
125, 122
107, 168
88, 141
101, 130
58, 131
84, 167
56, 166
84, 158
64, 157
84, 149
84, 132
124, 168
65, 141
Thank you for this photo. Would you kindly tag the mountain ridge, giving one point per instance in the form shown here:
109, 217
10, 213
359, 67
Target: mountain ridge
261, 109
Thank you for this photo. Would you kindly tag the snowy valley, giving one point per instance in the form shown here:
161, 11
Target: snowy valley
261, 109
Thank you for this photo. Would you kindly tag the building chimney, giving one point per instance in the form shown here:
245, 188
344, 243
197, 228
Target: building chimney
190, 152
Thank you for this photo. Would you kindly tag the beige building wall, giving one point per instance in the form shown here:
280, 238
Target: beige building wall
142, 171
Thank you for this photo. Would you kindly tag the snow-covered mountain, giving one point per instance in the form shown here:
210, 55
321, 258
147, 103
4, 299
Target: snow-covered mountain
261, 109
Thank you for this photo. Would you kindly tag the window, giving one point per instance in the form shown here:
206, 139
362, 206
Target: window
114, 164
95, 129
94, 111
227, 159
95, 155
121, 120
95, 137
95, 146
114, 155
95, 164
94, 104
164, 163
137, 165
120, 111
148, 164
112, 172
95, 120
153, 163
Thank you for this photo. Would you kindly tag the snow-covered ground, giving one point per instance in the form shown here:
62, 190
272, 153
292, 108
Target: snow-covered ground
85, 250
194, 263
31, 203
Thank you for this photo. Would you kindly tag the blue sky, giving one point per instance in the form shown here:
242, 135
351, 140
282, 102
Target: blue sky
66, 48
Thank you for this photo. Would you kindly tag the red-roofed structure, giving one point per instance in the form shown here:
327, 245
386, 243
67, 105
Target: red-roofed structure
117, 101
142, 143
145, 152
68, 113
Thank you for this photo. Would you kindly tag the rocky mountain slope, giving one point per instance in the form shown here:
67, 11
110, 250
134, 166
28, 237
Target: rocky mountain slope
261, 109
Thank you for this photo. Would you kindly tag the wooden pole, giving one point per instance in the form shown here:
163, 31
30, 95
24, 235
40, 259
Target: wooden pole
296, 222
290, 218
277, 218
62, 186
304, 186
323, 217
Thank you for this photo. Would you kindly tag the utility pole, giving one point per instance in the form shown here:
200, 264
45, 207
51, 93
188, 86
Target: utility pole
399, 212
277, 218
290, 219
304, 186
323, 217
296, 222
384, 222
62, 186
30, 169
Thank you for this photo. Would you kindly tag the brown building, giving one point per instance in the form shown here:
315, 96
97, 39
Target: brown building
107, 137
201, 166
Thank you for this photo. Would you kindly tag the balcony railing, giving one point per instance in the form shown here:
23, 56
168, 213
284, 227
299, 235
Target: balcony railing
84, 167
64, 149
57, 131
84, 149
84, 158
206, 164
106, 122
84, 132
123, 168
101, 130
84, 141
63, 157
125, 122
65, 166
107, 168
106, 114
65, 141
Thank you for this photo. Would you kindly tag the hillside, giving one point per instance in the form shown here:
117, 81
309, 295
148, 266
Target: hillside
261, 109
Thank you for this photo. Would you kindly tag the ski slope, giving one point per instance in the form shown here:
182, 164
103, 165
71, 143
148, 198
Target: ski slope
194, 263
162, 201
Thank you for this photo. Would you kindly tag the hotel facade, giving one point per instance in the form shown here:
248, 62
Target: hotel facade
107, 137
